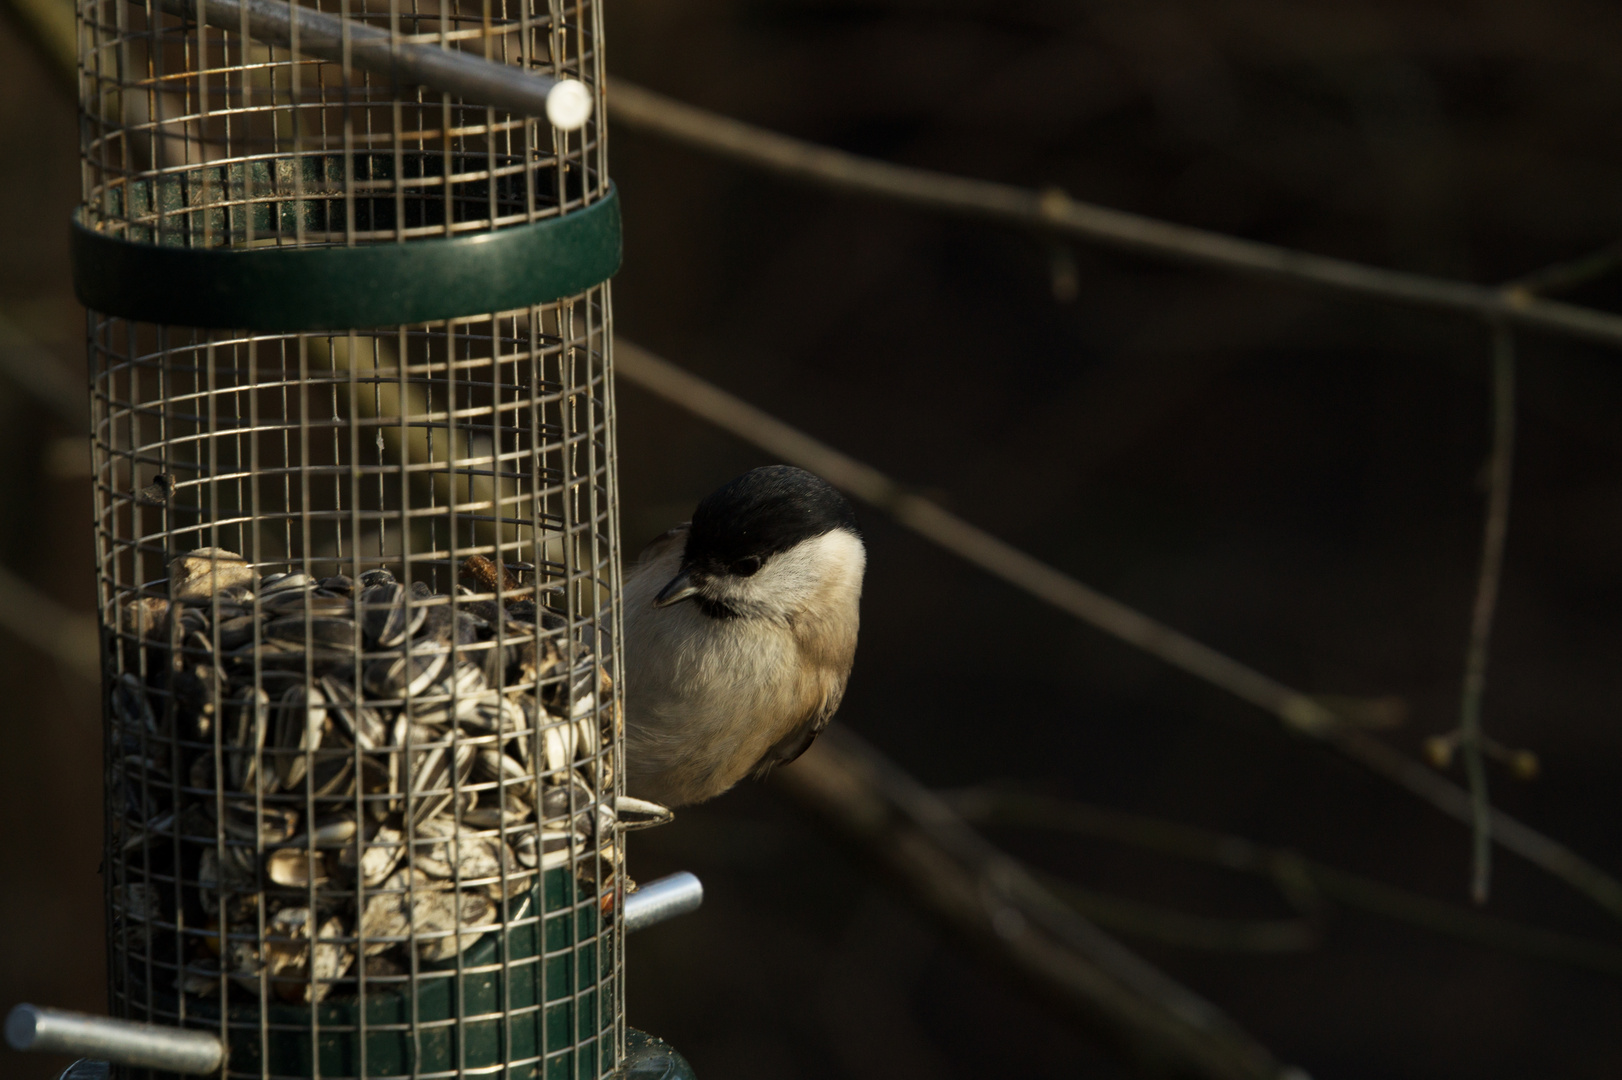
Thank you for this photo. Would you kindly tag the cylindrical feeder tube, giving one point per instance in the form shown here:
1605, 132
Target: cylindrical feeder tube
356, 525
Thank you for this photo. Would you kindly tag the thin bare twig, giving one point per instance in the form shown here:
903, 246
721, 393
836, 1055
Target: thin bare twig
1500, 469
1054, 212
1000, 558
1181, 929
996, 805
1560, 276
1298, 711
994, 902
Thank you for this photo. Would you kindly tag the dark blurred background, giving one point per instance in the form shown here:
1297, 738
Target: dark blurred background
1291, 477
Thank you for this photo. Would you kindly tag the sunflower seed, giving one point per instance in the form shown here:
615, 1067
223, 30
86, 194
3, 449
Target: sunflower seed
233, 874
247, 718
287, 962
294, 867
641, 813
156, 828
136, 907
438, 741
324, 631
543, 850
299, 717
131, 707
437, 776
316, 602
147, 618
442, 922
267, 824
384, 615
271, 582
443, 851
375, 858
405, 676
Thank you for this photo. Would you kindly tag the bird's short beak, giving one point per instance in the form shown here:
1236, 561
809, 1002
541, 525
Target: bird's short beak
680, 588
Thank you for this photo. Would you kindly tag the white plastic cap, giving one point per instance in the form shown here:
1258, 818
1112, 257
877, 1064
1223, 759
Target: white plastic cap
568, 105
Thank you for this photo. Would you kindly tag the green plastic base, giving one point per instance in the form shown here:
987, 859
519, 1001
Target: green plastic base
488, 1016
648, 1057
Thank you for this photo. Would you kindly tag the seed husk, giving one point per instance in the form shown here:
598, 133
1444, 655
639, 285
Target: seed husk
432, 732
196, 576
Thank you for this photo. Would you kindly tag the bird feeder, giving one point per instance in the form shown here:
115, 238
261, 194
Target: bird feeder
346, 270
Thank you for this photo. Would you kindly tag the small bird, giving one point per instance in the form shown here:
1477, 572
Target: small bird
740, 630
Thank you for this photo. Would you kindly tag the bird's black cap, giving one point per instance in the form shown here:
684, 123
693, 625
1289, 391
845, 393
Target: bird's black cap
762, 512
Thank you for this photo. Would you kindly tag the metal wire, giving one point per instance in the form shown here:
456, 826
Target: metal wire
204, 137
359, 817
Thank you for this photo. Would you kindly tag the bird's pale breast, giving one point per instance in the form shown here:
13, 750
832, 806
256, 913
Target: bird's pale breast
708, 699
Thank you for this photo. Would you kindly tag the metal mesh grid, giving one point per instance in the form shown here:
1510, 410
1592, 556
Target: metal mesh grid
391, 763
358, 589
202, 137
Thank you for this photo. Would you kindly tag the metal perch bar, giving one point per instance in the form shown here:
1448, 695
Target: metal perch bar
152, 1046
565, 102
663, 899
158, 1046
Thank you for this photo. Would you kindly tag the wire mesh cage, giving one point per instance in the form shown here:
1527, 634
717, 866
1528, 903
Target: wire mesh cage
357, 551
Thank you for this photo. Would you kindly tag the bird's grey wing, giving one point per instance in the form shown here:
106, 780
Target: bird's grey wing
802, 735
664, 542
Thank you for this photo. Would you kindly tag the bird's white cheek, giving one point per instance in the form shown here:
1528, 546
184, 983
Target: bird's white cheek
802, 575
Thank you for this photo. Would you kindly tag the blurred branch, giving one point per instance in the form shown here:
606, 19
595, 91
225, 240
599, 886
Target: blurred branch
1298, 711
69, 638
40, 373
1501, 467
951, 532
1180, 929
1000, 806
1468, 735
1561, 276
50, 28
993, 901
1053, 211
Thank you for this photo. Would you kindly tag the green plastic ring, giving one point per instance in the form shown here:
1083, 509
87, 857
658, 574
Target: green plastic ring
291, 290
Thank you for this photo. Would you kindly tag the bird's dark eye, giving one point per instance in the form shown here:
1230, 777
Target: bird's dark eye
747, 566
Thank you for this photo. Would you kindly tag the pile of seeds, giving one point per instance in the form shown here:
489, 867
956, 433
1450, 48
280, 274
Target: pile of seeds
350, 761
